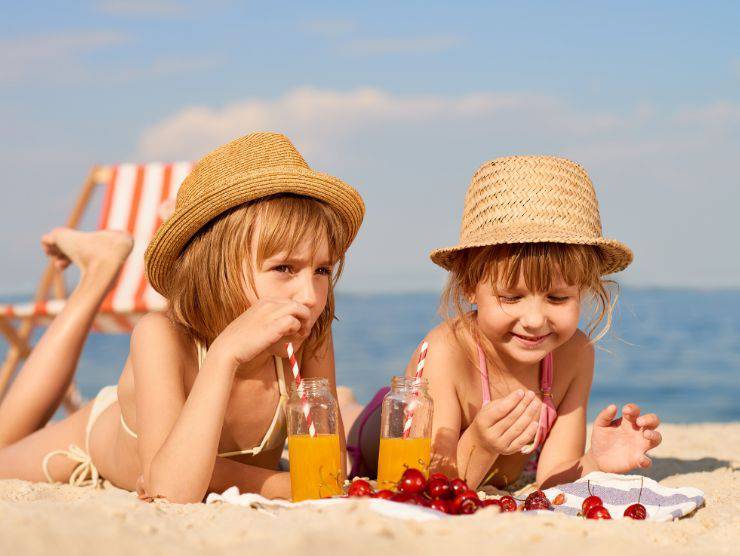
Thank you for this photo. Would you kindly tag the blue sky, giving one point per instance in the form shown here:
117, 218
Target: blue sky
402, 100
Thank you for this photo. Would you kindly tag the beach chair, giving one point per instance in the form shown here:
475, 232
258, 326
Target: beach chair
134, 198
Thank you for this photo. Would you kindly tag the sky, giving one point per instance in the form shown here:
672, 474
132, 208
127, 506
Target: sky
404, 101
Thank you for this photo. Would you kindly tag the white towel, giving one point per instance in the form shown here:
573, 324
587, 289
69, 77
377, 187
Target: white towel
621, 491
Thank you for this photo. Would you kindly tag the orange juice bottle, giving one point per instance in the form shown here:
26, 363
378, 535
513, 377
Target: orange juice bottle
315, 461
408, 400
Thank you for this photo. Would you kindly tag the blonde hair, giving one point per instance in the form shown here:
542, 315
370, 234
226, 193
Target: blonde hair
208, 285
540, 264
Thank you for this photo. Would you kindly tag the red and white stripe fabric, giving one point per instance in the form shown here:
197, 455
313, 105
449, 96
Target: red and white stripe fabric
136, 199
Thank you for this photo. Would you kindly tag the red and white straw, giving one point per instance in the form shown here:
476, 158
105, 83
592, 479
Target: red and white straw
412, 406
304, 398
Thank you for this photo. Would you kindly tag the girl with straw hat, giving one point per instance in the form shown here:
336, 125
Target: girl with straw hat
248, 262
508, 369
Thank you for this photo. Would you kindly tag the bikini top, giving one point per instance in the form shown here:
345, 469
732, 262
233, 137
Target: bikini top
548, 413
277, 431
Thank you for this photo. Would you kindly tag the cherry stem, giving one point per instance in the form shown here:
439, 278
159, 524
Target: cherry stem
588, 486
639, 494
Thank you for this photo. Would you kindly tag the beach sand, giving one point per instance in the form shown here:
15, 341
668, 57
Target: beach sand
55, 519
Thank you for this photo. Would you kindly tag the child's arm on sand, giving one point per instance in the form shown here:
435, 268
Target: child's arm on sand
179, 435
321, 365
617, 446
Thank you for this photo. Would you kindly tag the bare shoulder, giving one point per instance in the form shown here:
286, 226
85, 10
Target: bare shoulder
576, 356
155, 331
446, 352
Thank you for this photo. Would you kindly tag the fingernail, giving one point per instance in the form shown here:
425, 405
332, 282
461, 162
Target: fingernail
520, 393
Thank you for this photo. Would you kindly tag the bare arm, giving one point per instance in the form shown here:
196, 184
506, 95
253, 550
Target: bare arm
563, 459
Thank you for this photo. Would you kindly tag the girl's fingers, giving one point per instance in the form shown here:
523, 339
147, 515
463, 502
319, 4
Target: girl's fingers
524, 438
605, 417
649, 421
513, 416
529, 416
644, 462
493, 412
630, 412
653, 437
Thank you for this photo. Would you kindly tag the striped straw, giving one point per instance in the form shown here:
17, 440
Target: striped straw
412, 406
304, 398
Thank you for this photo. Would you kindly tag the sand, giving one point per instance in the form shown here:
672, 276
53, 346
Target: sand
54, 519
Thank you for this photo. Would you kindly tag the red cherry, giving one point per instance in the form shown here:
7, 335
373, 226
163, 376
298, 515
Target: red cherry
412, 481
508, 504
590, 502
636, 511
439, 505
384, 494
422, 500
467, 507
492, 502
458, 486
457, 503
439, 488
598, 512
401, 497
360, 487
537, 501
438, 476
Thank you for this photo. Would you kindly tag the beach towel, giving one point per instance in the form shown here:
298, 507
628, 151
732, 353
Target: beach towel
620, 491
616, 491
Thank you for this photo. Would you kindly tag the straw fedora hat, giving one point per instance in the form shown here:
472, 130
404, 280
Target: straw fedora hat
248, 168
533, 199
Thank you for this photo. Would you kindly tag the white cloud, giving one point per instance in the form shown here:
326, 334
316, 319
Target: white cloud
323, 118
32, 56
718, 115
405, 45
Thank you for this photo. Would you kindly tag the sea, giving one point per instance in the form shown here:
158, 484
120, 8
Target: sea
674, 352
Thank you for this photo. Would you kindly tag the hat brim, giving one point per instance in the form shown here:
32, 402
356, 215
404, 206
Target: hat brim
174, 234
616, 255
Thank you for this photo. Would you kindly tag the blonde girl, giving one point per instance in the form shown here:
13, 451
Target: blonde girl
509, 370
247, 262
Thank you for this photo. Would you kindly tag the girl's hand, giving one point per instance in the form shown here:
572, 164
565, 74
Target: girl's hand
619, 445
505, 426
267, 323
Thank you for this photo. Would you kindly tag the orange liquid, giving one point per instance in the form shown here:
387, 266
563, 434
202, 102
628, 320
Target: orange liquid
315, 466
398, 454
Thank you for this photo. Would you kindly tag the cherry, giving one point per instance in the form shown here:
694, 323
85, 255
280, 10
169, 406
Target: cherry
508, 504
384, 494
636, 511
402, 497
460, 500
590, 502
359, 487
598, 512
492, 502
412, 481
537, 501
439, 488
467, 507
422, 500
458, 486
439, 476
439, 505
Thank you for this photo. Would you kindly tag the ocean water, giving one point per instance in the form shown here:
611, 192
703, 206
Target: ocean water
674, 352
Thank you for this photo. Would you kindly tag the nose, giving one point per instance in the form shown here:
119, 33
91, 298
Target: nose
533, 318
306, 291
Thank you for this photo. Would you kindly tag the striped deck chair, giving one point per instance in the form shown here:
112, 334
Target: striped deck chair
135, 198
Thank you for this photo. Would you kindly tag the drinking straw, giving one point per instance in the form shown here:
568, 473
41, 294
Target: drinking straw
304, 398
412, 406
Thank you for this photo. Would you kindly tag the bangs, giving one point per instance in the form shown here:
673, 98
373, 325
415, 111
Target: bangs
289, 221
543, 265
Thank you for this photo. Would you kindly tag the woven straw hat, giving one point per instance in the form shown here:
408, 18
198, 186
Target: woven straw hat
533, 199
248, 168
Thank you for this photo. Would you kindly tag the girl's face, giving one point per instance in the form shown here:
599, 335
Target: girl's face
525, 325
303, 276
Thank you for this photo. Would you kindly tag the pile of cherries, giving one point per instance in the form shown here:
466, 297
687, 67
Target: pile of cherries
455, 497
451, 496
